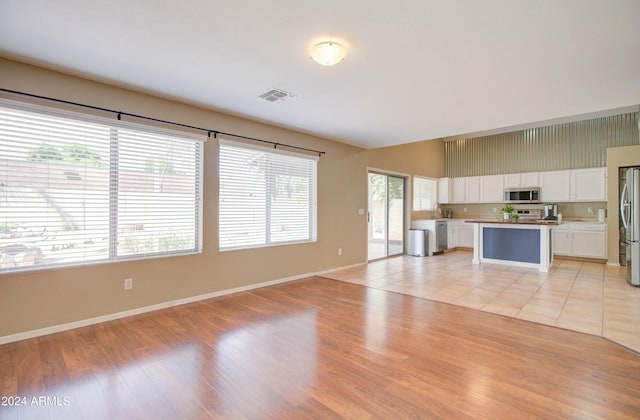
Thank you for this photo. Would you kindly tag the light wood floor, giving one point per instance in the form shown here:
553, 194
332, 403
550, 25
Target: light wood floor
593, 298
320, 348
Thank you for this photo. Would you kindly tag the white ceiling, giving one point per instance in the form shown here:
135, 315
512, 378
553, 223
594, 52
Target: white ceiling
416, 69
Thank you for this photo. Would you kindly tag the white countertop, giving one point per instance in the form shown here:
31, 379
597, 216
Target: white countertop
489, 220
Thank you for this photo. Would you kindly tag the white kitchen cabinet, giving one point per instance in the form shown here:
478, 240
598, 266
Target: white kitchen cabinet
459, 234
589, 240
472, 189
561, 240
444, 190
512, 180
589, 184
528, 179
555, 186
452, 234
575, 185
491, 189
465, 189
580, 239
465, 235
458, 190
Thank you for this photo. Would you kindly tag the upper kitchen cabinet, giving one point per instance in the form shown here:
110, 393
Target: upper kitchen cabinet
472, 189
555, 186
464, 190
491, 188
529, 179
458, 191
589, 184
574, 185
444, 190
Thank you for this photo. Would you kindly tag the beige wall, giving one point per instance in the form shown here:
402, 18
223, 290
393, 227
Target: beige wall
616, 158
424, 158
52, 297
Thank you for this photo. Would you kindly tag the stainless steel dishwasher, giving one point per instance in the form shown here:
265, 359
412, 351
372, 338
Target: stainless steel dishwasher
441, 236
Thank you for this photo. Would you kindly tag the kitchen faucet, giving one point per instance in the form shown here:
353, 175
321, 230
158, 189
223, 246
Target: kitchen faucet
436, 213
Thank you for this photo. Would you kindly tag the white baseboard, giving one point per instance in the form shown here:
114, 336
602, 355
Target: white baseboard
91, 321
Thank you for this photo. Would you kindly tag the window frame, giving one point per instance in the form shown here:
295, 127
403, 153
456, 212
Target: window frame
313, 201
113, 228
414, 189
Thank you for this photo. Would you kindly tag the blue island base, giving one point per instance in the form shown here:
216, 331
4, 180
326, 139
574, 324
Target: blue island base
511, 244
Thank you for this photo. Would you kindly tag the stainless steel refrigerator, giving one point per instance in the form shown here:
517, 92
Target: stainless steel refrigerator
630, 222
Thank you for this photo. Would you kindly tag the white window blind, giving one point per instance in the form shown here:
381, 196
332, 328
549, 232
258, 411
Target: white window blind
267, 197
76, 189
425, 193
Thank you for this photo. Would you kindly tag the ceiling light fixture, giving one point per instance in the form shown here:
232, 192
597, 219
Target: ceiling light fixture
328, 53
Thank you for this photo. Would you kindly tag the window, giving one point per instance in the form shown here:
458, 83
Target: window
267, 197
425, 193
78, 189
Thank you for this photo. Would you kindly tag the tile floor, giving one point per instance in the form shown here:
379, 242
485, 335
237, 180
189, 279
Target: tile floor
592, 298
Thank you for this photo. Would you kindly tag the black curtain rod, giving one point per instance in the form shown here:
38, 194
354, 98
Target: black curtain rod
119, 115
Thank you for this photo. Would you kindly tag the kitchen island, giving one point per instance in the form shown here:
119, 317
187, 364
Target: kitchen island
523, 244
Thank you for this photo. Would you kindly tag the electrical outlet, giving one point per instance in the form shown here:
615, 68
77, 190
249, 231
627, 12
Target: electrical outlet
590, 210
339, 251
464, 209
495, 210
128, 284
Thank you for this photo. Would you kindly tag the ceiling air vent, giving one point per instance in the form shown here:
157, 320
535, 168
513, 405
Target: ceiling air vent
275, 95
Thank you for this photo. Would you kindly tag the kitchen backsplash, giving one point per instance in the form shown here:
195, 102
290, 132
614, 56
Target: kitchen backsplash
568, 210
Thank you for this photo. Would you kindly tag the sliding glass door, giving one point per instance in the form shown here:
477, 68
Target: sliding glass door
386, 215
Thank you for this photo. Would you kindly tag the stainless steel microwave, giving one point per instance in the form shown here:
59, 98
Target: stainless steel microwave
530, 195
